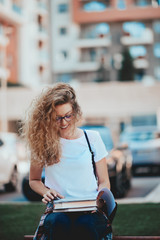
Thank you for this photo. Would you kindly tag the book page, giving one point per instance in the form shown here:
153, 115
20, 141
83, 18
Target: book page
74, 199
82, 209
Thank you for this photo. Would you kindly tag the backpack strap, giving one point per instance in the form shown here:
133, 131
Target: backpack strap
92, 153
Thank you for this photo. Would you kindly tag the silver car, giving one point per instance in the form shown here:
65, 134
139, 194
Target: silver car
8, 161
144, 142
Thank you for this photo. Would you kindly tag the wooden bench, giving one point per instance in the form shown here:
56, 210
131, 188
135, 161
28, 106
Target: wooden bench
30, 237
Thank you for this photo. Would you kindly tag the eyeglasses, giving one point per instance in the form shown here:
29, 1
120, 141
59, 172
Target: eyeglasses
67, 118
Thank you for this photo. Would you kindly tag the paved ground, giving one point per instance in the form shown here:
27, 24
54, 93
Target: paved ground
144, 189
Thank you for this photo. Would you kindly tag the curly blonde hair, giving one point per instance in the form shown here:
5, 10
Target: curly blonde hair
40, 128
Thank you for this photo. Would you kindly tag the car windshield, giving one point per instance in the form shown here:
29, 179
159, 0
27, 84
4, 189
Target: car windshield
140, 136
105, 135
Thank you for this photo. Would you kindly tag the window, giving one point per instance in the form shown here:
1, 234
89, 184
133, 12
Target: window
64, 54
101, 29
1, 143
61, 56
144, 120
64, 78
92, 54
63, 31
16, 6
96, 6
157, 72
42, 4
156, 27
143, 3
121, 4
156, 50
63, 8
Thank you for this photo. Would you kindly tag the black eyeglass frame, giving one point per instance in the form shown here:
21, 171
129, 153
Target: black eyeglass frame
67, 118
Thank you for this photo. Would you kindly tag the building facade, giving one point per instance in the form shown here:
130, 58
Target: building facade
90, 36
24, 50
83, 45
24, 42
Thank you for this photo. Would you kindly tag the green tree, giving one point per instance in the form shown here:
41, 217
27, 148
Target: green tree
126, 73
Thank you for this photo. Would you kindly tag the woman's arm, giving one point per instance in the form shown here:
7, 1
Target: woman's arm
102, 174
37, 185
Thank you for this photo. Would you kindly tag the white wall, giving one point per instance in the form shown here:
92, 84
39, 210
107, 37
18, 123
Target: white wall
67, 42
28, 67
115, 100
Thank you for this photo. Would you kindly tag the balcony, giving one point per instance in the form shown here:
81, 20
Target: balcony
92, 43
112, 14
141, 63
11, 13
76, 67
145, 39
86, 66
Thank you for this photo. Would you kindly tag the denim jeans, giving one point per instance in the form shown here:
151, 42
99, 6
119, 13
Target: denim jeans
79, 225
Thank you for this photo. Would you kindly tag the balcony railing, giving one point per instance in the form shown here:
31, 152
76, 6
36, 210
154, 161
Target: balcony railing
89, 43
146, 38
86, 66
12, 12
141, 63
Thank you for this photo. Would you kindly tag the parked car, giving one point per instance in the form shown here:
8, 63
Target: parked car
8, 161
144, 142
27, 191
119, 161
119, 165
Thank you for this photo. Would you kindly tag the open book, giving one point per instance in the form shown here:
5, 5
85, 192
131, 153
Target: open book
102, 201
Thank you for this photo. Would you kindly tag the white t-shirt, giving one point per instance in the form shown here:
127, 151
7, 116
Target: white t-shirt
73, 176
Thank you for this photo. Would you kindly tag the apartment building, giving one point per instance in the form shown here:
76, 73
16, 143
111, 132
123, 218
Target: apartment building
10, 21
24, 42
90, 36
82, 42
24, 52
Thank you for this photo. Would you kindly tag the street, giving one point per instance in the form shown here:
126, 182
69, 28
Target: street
140, 187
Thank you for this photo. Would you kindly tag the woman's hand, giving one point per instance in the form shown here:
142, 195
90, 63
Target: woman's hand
51, 195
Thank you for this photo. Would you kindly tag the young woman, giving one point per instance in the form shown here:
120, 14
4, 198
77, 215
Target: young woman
58, 145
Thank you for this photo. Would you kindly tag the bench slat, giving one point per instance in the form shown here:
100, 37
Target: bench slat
30, 237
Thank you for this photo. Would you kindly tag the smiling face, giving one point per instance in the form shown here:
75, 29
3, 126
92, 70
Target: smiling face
65, 120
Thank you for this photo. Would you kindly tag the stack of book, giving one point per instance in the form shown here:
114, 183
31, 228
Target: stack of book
74, 205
